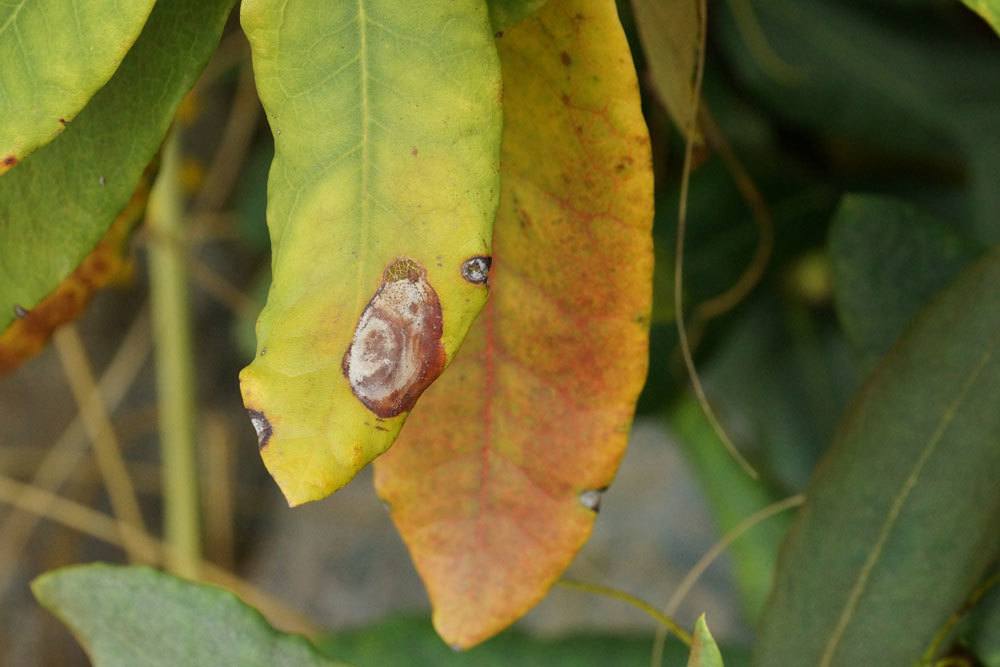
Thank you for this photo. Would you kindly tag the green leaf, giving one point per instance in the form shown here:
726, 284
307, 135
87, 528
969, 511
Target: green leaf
505, 13
988, 9
54, 55
888, 259
131, 616
984, 633
732, 496
385, 182
412, 642
59, 203
900, 521
704, 650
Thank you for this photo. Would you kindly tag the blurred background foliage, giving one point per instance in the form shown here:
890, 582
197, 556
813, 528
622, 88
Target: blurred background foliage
870, 128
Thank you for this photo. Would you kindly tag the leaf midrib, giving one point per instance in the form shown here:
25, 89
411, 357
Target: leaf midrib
899, 500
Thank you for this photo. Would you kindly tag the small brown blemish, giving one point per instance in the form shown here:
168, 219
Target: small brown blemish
477, 269
498, 34
414, 151
63, 122
381, 428
396, 350
565, 58
262, 426
20, 312
9, 161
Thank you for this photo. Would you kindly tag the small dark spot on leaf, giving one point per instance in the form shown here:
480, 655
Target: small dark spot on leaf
9, 161
565, 99
499, 34
381, 428
62, 121
20, 312
591, 499
477, 269
566, 59
414, 151
262, 426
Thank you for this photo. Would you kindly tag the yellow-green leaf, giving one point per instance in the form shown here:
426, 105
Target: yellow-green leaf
704, 651
496, 479
672, 39
505, 13
54, 55
382, 194
988, 9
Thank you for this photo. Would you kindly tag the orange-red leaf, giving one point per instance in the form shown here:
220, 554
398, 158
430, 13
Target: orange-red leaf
495, 478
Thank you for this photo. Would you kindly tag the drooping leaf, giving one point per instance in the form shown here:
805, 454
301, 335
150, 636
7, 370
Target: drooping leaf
58, 204
671, 38
988, 9
54, 55
733, 496
704, 651
496, 479
901, 517
382, 194
888, 259
130, 616
505, 13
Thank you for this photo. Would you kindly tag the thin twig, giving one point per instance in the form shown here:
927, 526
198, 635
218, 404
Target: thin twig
691, 578
107, 449
172, 334
237, 136
760, 49
62, 459
103, 527
699, 390
665, 622
761, 214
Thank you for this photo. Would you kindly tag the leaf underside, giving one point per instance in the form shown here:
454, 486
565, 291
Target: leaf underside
386, 119
495, 480
909, 489
132, 616
54, 55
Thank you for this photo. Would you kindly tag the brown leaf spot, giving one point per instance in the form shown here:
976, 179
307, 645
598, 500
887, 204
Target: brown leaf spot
262, 426
565, 58
414, 151
63, 122
9, 161
396, 351
477, 269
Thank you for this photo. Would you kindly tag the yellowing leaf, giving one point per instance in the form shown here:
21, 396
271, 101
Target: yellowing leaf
988, 9
671, 32
54, 55
384, 187
704, 650
505, 13
496, 479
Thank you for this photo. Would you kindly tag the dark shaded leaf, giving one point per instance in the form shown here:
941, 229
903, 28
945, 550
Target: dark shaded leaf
901, 520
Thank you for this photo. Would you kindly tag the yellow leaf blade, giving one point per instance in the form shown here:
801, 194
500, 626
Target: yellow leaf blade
386, 117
